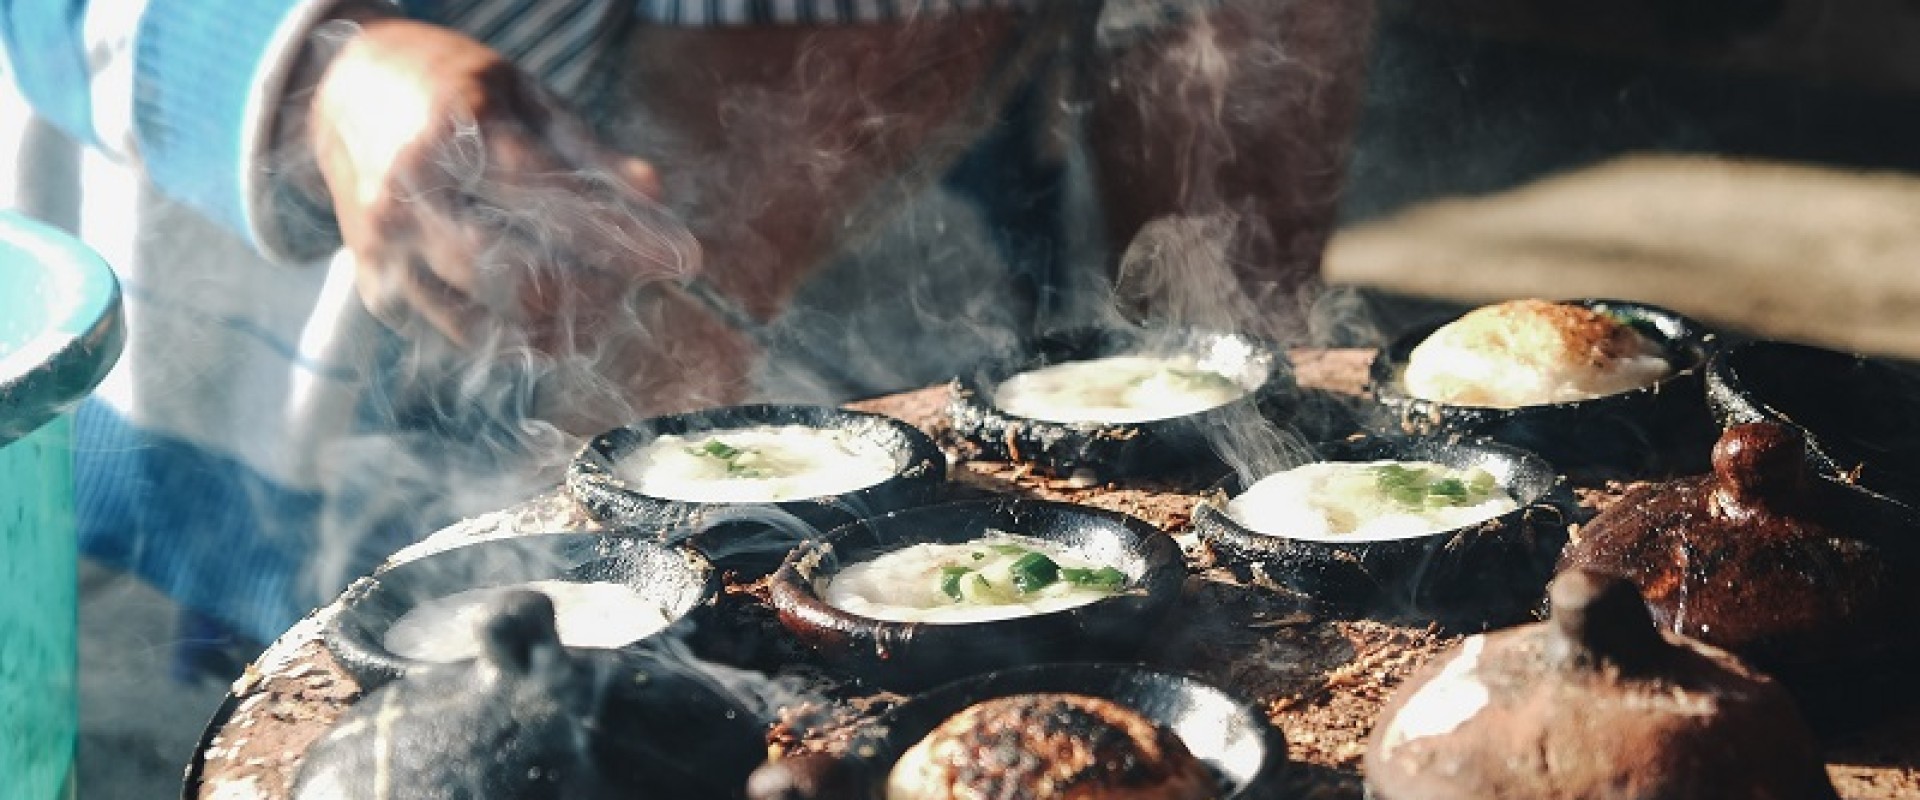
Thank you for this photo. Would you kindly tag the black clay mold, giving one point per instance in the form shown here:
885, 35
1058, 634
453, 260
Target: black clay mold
1660, 429
1488, 573
1154, 448
680, 581
1243, 752
1860, 416
753, 536
910, 655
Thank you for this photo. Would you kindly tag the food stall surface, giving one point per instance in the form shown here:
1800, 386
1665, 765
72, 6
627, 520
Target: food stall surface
1446, 116
1320, 679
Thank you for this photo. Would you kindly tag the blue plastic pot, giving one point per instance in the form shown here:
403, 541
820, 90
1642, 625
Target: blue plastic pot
60, 331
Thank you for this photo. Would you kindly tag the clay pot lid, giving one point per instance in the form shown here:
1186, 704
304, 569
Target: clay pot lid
530, 718
1594, 702
1761, 556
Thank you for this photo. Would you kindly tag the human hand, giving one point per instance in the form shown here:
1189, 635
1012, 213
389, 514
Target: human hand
475, 203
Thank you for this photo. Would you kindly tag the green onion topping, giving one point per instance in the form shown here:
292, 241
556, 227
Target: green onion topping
1415, 488
1106, 578
1033, 572
950, 580
735, 458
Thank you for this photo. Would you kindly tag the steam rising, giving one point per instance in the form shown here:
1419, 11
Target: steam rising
601, 308
751, 532
1178, 267
760, 694
584, 305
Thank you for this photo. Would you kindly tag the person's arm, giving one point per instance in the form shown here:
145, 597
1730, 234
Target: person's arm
471, 198
555, 43
476, 205
468, 194
185, 87
73, 62
193, 88
1228, 125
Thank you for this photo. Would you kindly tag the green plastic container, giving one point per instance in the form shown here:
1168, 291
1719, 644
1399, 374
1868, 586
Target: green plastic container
60, 331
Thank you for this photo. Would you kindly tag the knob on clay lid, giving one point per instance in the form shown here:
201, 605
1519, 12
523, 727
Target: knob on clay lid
1795, 572
1595, 702
530, 719
506, 725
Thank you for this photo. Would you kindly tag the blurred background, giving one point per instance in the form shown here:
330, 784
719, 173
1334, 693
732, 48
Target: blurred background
1748, 162
1754, 163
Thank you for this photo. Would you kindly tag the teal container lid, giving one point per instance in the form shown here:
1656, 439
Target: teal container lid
60, 323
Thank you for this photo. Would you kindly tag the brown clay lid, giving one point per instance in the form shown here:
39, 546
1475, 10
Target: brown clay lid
1595, 702
1760, 556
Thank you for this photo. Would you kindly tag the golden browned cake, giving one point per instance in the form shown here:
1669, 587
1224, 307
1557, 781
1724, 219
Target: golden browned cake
1530, 352
1049, 747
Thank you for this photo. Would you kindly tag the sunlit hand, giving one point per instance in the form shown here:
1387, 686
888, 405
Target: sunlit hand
472, 201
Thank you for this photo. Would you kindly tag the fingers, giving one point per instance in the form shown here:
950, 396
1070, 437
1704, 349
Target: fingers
454, 253
576, 143
403, 293
551, 167
502, 184
445, 308
514, 269
588, 214
500, 208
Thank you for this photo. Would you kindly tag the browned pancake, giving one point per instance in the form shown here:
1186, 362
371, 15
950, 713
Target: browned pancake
1046, 746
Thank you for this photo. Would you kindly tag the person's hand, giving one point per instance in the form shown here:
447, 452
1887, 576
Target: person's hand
472, 201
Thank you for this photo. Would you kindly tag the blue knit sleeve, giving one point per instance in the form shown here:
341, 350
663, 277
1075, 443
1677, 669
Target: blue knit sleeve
209, 73
208, 79
46, 47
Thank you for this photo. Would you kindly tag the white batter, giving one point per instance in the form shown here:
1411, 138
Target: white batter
592, 615
1531, 352
763, 464
969, 582
1340, 501
1117, 389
